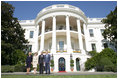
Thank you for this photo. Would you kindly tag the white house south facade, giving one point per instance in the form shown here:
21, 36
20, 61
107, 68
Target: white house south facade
66, 33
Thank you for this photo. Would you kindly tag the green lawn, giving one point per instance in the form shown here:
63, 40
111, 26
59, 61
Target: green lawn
59, 76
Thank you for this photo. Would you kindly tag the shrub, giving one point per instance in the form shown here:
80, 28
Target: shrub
108, 68
52, 63
106, 60
71, 63
7, 68
20, 68
89, 64
18, 56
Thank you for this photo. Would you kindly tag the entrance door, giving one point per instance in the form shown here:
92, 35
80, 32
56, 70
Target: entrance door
61, 64
77, 64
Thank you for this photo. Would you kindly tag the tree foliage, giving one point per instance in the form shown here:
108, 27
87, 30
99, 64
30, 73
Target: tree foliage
111, 26
106, 60
12, 35
92, 53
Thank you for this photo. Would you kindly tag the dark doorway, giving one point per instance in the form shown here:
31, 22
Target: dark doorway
78, 64
61, 64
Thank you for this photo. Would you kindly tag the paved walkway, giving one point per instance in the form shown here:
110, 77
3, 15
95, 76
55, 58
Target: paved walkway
64, 73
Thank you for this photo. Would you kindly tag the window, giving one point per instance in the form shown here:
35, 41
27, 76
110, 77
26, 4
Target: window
31, 34
61, 27
72, 45
88, 58
91, 32
102, 30
50, 45
105, 45
71, 28
30, 48
61, 45
93, 46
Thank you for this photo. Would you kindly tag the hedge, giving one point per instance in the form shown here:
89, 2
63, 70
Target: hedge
20, 68
7, 68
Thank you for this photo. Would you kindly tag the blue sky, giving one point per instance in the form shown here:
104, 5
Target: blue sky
28, 10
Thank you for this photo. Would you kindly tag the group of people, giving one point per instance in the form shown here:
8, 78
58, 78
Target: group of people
42, 60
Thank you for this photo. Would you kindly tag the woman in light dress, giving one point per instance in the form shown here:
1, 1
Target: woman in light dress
35, 62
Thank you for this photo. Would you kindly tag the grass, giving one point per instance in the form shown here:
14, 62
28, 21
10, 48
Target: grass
59, 76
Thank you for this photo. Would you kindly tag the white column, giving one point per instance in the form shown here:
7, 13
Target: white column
85, 35
42, 36
79, 36
69, 47
37, 43
53, 49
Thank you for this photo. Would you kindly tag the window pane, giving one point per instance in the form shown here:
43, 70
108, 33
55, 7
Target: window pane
93, 46
31, 34
61, 45
102, 30
30, 48
105, 45
50, 45
91, 32
72, 45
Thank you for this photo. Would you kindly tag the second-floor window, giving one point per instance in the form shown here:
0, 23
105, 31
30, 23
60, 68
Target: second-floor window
102, 30
91, 32
61, 45
72, 45
31, 34
50, 45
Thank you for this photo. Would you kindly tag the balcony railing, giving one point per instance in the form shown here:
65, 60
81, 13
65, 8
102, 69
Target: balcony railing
76, 51
47, 30
61, 28
64, 51
61, 50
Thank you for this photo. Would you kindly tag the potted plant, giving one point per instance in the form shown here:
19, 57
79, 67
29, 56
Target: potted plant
52, 65
72, 64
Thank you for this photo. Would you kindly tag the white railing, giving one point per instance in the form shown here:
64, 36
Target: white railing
61, 6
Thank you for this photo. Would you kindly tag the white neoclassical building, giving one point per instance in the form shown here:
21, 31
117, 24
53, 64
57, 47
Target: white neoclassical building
66, 33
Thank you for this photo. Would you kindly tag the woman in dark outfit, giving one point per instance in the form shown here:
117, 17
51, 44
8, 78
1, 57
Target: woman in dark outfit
28, 62
41, 62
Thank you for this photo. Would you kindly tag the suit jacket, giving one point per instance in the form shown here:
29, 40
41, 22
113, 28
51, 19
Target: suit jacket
41, 59
47, 59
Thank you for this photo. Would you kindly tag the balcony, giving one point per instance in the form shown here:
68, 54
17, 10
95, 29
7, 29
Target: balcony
64, 51
60, 28
61, 51
76, 51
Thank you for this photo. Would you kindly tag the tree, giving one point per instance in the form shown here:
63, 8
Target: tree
12, 35
93, 53
106, 60
111, 27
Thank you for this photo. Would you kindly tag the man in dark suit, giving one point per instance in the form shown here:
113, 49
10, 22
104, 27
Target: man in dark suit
41, 62
47, 63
